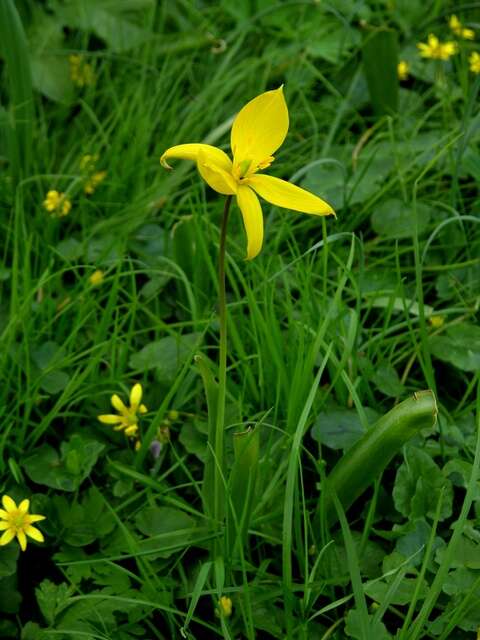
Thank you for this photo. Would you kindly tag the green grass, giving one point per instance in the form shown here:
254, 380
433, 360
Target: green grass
335, 323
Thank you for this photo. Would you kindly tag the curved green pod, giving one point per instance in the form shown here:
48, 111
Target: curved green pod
368, 457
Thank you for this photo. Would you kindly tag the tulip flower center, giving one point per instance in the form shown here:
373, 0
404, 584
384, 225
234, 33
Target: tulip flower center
242, 170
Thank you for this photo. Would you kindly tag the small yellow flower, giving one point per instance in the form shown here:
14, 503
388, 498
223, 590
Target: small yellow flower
93, 181
459, 30
436, 321
474, 62
126, 420
81, 72
96, 278
57, 204
225, 604
16, 521
437, 50
258, 131
403, 69
88, 161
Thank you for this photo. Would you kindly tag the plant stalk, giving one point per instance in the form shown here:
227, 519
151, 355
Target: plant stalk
219, 489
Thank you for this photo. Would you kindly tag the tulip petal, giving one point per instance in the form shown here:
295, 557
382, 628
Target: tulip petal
217, 178
191, 151
252, 219
259, 128
136, 396
287, 195
8, 504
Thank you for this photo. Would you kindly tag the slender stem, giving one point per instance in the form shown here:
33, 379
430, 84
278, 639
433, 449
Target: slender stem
219, 508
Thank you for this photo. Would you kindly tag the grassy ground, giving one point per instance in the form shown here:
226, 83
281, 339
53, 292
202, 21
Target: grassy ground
329, 328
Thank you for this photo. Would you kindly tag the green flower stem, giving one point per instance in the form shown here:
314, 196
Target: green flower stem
219, 489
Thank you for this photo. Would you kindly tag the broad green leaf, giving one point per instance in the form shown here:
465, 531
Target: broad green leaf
166, 527
387, 381
8, 559
395, 219
166, 355
368, 457
418, 485
459, 346
67, 470
340, 428
52, 599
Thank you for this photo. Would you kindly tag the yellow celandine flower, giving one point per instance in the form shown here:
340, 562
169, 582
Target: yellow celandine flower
258, 131
57, 203
403, 69
459, 30
97, 277
93, 181
126, 420
474, 62
81, 72
17, 522
437, 50
225, 604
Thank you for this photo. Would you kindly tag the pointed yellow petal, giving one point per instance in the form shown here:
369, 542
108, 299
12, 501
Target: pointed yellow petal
35, 517
9, 504
23, 506
34, 533
3, 514
191, 151
136, 396
252, 219
260, 128
22, 540
117, 404
110, 419
215, 176
287, 195
7, 537
142, 409
4, 525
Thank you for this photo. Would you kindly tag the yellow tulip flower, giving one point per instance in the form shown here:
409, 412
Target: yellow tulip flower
258, 131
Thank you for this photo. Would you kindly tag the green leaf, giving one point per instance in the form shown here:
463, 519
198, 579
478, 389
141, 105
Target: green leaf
460, 346
8, 560
166, 355
395, 219
65, 471
242, 486
108, 20
166, 527
466, 554
83, 523
354, 627
340, 428
418, 486
402, 594
380, 58
10, 598
365, 461
52, 599
387, 381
